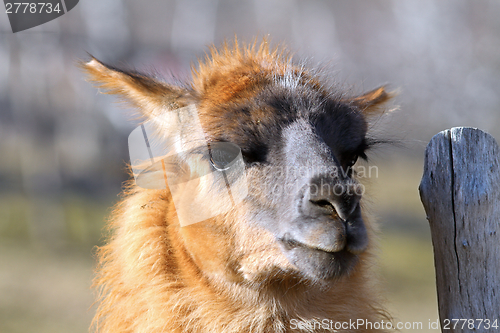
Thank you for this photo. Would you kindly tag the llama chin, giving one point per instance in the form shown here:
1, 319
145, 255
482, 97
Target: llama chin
295, 245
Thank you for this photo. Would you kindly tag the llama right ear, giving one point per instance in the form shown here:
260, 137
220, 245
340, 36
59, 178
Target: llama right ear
373, 101
150, 96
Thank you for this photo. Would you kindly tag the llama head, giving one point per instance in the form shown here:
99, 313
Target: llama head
301, 212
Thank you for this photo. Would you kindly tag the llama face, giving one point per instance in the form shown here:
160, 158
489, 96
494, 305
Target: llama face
302, 213
299, 160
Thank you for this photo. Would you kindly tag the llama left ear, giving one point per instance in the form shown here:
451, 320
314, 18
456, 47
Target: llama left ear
372, 102
149, 95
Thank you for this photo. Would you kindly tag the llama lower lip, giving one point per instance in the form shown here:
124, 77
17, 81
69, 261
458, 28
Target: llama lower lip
317, 263
291, 244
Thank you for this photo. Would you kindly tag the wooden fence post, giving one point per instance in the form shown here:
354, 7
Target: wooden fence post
460, 190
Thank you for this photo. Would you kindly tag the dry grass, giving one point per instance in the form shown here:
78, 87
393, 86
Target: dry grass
42, 291
407, 266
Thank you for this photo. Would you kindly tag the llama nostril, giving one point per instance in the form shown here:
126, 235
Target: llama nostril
325, 205
328, 202
332, 208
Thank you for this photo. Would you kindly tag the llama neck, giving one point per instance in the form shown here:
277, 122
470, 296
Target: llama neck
276, 305
152, 284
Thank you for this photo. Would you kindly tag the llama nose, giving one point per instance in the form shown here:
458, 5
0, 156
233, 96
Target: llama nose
325, 196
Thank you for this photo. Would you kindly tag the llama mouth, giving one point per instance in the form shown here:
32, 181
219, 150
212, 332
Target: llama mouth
290, 243
317, 263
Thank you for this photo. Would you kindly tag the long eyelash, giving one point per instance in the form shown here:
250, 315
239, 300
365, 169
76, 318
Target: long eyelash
367, 144
361, 153
371, 142
363, 156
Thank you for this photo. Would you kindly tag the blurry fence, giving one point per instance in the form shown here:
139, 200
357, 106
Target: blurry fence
460, 190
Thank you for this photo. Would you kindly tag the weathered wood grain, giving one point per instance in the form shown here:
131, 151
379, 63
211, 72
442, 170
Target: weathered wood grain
460, 190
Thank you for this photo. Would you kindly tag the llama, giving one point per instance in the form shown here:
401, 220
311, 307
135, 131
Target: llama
286, 258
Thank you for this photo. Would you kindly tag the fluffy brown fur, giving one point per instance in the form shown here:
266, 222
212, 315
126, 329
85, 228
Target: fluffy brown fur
224, 274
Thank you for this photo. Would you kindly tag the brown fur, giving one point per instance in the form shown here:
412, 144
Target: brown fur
222, 274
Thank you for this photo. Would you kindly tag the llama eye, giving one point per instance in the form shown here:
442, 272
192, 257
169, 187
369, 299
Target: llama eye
223, 155
353, 160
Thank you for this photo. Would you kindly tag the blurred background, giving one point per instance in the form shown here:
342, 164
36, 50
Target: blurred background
64, 146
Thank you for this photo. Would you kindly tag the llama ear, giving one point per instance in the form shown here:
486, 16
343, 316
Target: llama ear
152, 97
372, 102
